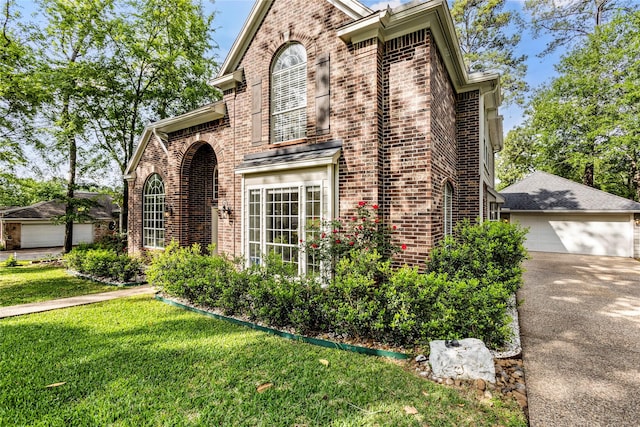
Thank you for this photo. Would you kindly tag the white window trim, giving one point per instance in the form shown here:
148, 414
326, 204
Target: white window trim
302, 214
158, 243
301, 85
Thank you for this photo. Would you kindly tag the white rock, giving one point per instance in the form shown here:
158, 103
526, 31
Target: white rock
470, 359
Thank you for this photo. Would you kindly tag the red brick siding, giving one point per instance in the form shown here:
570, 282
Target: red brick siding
443, 154
154, 160
468, 134
406, 74
392, 105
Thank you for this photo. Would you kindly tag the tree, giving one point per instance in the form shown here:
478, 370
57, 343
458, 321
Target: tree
67, 47
109, 66
16, 191
570, 21
157, 65
585, 124
19, 91
517, 158
482, 28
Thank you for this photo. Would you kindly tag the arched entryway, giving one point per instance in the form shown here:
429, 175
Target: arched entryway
198, 195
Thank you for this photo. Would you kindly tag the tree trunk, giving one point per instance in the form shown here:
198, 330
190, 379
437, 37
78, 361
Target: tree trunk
71, 183
124, 210
587, 178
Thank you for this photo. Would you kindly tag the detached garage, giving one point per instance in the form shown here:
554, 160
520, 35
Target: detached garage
566, 217
35, 226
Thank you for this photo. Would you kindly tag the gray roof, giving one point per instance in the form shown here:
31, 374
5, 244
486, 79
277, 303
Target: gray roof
291, 154
543, 191
104, 209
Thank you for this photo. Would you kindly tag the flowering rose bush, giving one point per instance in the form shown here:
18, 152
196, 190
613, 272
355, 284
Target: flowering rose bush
329, 241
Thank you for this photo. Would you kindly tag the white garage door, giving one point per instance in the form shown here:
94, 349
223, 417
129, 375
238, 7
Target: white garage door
49, 235
589, 234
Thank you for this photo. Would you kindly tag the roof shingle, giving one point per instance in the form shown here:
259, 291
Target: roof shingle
542, 191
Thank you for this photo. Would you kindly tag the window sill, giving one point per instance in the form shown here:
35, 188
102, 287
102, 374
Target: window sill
290, 142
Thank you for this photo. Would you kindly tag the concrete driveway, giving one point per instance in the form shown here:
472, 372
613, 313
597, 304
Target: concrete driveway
32, 254
580, 329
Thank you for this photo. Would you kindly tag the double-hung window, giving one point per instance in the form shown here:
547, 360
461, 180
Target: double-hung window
278, 217
289, 94
153, 209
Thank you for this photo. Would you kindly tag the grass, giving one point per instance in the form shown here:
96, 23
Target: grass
139, 362
40, 282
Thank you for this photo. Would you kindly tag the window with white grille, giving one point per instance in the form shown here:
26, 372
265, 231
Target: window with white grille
277, 219
289, 94
153, 209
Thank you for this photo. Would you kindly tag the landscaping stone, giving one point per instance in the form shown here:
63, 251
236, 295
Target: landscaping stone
467, 359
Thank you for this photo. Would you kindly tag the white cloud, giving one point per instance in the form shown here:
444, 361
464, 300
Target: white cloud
381, 5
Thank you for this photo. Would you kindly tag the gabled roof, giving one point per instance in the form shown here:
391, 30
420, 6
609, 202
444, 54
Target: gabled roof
352, 8
385, 25
542, 191
50, 209
162, 128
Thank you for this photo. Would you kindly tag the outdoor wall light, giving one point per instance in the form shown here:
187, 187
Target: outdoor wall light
226, 209
168, 211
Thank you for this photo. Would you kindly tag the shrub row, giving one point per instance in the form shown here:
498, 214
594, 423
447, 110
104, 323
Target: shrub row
105, 263
464, 294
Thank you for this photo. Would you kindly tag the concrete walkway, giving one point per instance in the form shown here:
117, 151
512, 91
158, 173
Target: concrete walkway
580, 328
36, 307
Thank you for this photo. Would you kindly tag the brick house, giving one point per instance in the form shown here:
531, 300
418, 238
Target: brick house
324, 104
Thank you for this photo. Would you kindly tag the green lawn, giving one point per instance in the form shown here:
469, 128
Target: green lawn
137, 361
40, 282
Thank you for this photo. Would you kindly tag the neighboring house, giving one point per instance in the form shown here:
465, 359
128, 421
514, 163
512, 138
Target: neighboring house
325, 104
35, 226
567, 217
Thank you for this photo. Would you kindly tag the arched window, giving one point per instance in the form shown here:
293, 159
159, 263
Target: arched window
153, 207
289, 94
448, 209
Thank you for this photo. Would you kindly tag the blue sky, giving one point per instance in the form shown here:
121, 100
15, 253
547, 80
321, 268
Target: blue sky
231, 15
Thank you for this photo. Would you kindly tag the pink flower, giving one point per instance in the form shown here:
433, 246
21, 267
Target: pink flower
337, 241
377, 220
335, 231
375, 206
323, 235
352, 243
361, 204
314, 246
394, 227
404, 247
354, 219
301, 241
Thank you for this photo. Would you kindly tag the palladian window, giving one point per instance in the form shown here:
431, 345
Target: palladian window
289, 94
153, 203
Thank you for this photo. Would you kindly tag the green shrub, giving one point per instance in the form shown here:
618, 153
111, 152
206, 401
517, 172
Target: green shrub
103, 263
465, 295
491, 251
116, 242
11, 261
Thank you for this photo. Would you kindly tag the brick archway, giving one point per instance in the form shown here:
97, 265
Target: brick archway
197, 194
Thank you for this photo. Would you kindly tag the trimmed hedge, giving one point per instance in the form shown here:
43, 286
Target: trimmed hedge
105, 263
465, 293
